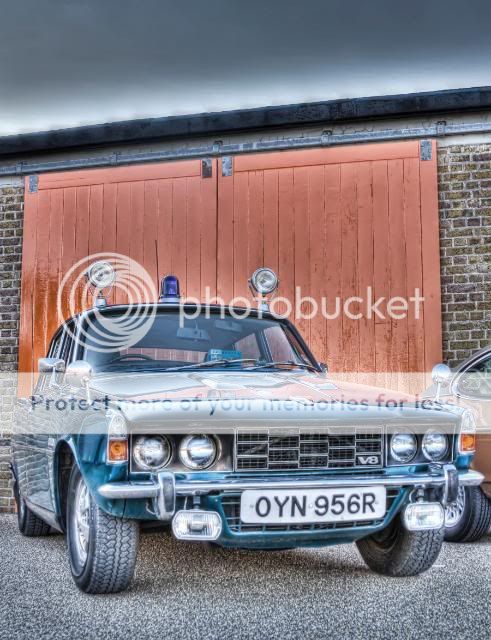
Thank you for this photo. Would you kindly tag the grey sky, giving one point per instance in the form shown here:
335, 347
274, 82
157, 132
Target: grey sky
70, 62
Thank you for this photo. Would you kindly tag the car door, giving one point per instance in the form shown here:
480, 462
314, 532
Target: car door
31, 436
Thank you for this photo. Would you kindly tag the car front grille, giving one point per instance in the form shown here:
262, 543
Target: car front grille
304, 450
231, 509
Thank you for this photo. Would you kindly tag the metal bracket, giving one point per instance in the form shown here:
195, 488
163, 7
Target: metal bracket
227, 166
326, 137
206, 168
440, 128
425, 150
33, 184
165, 502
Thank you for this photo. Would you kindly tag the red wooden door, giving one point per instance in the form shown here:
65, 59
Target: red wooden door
330, 221
334, 222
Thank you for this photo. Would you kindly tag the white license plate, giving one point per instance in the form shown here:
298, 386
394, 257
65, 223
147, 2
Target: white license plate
285, 506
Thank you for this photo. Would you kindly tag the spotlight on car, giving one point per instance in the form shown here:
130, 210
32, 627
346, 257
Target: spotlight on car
101, 274
151, 453
264, 281
197, 451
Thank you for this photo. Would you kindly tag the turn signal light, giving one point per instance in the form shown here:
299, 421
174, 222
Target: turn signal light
467, 442
117, 450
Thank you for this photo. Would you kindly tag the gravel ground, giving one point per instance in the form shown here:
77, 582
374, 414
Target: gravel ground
185, 590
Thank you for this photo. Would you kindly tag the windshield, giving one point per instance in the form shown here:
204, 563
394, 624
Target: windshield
172, 342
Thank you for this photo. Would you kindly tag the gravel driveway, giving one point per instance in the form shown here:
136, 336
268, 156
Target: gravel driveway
184, 590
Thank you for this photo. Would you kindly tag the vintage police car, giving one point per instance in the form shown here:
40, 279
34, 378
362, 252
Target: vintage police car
226, 429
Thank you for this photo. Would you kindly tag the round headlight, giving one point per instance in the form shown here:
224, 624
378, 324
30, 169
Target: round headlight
434, 445
151, 452
101, 274
197, 452
264, 281
403, 446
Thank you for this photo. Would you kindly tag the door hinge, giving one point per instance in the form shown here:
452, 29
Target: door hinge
227, 166
206, 168
425, 150
33, 183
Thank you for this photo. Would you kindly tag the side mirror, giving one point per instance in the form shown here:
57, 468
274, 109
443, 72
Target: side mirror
440, 374
48, 365
78, 373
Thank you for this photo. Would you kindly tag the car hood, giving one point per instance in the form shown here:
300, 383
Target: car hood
206, 385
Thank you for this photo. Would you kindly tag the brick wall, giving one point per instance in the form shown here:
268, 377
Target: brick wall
11, 214
465, 241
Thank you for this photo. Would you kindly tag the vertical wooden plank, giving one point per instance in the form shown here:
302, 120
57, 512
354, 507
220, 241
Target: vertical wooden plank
381, 268
150, 232
179, 230
208, 214
41, 282
397, 252
414, 265
193, 239
225, 237
365, 263
349, 276
56, 223
431, 260
96, 218
164, 237
271, 220
317, 242
28, 278
68, 255
286, 239
255, 236
123, 232
137, 212
241, 232
334, 323
302, 246
109, 198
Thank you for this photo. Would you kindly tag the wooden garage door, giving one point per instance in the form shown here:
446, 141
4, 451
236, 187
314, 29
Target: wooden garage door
330, 221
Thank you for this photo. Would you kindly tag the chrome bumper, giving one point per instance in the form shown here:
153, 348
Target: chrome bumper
165, 488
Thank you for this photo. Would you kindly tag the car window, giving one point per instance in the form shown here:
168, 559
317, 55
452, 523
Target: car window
173, 341
475, 382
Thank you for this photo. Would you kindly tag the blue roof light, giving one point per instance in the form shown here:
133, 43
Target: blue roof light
169, 289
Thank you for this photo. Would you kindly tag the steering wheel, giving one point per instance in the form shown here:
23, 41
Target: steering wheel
130, 356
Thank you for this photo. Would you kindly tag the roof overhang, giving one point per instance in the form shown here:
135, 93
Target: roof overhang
206, 124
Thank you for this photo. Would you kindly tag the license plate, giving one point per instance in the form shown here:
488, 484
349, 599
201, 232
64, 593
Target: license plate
312, 505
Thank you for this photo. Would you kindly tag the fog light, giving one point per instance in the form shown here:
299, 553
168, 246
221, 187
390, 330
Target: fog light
419, 516
197, 525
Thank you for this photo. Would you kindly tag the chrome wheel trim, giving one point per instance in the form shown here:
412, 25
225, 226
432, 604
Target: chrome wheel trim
455, 510
22, 507
81, 521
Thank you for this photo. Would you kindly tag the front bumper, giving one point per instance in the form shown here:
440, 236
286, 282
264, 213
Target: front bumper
164, 488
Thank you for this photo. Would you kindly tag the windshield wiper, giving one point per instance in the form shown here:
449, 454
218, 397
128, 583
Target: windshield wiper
284, 363
211, 363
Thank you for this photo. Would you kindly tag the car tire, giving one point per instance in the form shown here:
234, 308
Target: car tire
397, 552
30, 525
470, 516
102, 549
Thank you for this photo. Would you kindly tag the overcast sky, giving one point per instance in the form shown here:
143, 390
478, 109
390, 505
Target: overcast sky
70, 62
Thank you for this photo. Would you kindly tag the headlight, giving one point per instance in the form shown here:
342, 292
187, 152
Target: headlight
197, 452
151, 452
403, 446
264, 281
435, 445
